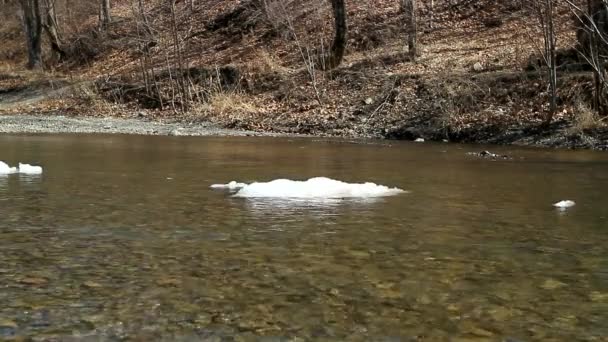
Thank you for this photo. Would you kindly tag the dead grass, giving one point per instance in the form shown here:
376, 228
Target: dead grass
228, 104
585, 119
266, 62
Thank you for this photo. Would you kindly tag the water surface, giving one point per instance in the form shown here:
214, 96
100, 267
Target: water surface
122, 239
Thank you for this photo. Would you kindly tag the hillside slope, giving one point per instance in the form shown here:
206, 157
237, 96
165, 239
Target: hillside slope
251, 65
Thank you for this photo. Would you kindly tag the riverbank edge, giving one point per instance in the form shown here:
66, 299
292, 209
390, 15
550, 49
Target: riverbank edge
555, 136
45, 124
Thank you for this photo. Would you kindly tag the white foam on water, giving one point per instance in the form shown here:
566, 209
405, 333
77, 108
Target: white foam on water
5, 169
564, 204
30, 169
314, 188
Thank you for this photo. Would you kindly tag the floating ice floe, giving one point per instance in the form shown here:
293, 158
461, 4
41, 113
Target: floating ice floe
5, 169
27, 169
564, 204
30, 169
314, 188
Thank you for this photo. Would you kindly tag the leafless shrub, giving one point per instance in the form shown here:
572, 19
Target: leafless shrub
281, 14
544, 14
591, 22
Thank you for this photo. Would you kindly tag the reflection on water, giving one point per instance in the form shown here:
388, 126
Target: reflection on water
122, 239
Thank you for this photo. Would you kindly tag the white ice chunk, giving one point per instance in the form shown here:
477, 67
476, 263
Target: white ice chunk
30, 169
319, 187
5, 169
564, 204
230, 186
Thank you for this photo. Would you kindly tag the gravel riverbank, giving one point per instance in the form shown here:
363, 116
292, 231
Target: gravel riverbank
63, 124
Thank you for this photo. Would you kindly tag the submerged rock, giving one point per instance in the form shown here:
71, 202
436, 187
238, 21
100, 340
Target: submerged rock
488, 155
552, 284
8, 329
169, 282
8, 324
34, 281
598, 297
91, 285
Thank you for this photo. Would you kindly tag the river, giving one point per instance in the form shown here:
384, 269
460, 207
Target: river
121, 238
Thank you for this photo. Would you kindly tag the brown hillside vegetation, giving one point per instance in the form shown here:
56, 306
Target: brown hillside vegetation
259, 65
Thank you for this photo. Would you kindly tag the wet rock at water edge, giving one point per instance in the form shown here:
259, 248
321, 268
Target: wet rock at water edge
177, 132
488, 155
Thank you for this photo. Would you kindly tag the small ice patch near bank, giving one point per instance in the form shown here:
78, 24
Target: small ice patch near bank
314, 188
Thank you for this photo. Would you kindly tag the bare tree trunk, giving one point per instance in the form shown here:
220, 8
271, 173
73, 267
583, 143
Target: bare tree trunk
550, 47
338, 47
181, 80
50, 27
595, 57
409, 9
32, 22
104, 14
432, 15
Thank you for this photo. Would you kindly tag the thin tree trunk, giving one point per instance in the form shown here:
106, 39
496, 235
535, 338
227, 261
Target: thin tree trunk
105, 18
338, 47
432, 16
181, 81
409, 8
594, 57
551, 47
32, 22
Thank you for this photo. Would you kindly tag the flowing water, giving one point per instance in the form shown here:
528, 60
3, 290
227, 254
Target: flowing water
121, 238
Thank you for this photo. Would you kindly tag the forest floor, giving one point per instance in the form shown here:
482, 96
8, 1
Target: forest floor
476, 79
